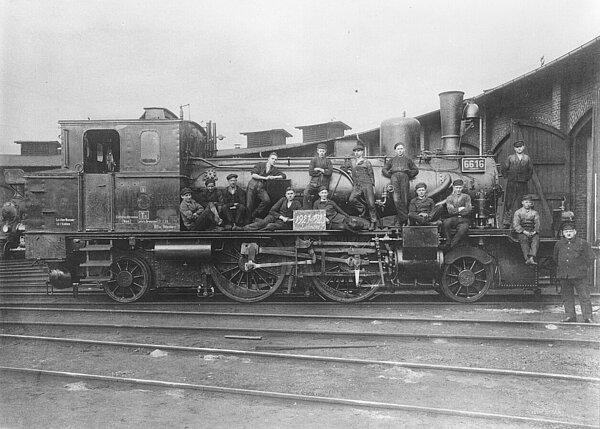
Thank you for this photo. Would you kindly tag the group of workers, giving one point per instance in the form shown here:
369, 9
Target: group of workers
251, 210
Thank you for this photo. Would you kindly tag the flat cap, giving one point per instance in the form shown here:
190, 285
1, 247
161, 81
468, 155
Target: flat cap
528, 197
458, 182
231, 176
323, 188
358, 147
568, 226
185, 191
420, 185
207, 181
322, 146
519, 143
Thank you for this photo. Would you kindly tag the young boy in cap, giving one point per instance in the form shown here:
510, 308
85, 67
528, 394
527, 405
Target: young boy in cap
280, 216
261, 172
320, 171
526, 223
422, 210
573, 257
400, 170
518, 169
234, 203
193, 215
459, 208
336, 217
363, 187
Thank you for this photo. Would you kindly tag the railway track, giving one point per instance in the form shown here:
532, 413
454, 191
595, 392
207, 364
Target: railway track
328, 370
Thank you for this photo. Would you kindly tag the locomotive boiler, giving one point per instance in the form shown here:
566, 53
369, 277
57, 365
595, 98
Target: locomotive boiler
110, 218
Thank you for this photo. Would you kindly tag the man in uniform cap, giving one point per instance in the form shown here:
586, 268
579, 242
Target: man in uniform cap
517, 169
362, 197
574, 257
400, 170
234, 209
320, 170
459, 208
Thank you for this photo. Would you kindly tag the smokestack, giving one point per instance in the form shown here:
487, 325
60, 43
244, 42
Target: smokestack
450, 114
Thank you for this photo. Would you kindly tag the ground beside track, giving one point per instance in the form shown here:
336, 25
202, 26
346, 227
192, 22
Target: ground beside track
71, 403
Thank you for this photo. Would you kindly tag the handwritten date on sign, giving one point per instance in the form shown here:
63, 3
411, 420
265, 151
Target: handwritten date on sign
310, 220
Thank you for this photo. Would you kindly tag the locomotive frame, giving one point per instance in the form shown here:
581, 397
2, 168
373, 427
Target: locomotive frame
110, 219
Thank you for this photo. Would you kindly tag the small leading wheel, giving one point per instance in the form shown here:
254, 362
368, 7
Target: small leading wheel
467, 279
348, 276
246, 283
130, 279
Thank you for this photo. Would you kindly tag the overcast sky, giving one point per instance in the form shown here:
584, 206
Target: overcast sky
255, 65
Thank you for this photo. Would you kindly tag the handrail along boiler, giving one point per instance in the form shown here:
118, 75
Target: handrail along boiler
110, 218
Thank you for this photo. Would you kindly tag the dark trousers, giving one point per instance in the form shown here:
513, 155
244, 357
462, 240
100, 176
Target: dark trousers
568, 286
278, 224
462, 229
260, 223
308, 198
513, 198
235, 216
361, 198
400, 182
529, 245
422, 221
204, 221
256, 191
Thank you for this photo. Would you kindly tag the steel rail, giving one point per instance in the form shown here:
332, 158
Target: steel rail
270, 301
292, 396
236, 352
572, 341
296, 316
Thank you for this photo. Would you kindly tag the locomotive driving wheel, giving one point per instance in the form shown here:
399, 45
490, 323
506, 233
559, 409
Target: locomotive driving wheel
348, 275
246, 279
130, 279
467, 278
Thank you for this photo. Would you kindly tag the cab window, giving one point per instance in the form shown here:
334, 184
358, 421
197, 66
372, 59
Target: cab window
150, 147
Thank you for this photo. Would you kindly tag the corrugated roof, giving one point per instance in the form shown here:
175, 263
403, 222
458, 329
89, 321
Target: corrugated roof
343, 125
276, 130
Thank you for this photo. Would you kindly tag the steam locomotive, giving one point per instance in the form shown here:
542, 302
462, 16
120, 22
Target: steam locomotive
110, 219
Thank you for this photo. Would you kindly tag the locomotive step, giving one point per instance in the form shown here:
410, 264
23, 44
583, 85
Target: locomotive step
96, 264
89, 280
96, 248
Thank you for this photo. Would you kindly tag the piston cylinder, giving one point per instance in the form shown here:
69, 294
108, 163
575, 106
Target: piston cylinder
182, 251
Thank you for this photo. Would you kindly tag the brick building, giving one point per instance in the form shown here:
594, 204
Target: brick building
555, 109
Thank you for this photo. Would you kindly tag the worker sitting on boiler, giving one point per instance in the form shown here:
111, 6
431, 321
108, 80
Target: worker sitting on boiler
526, 223
422, 210
193, 215
459, 208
